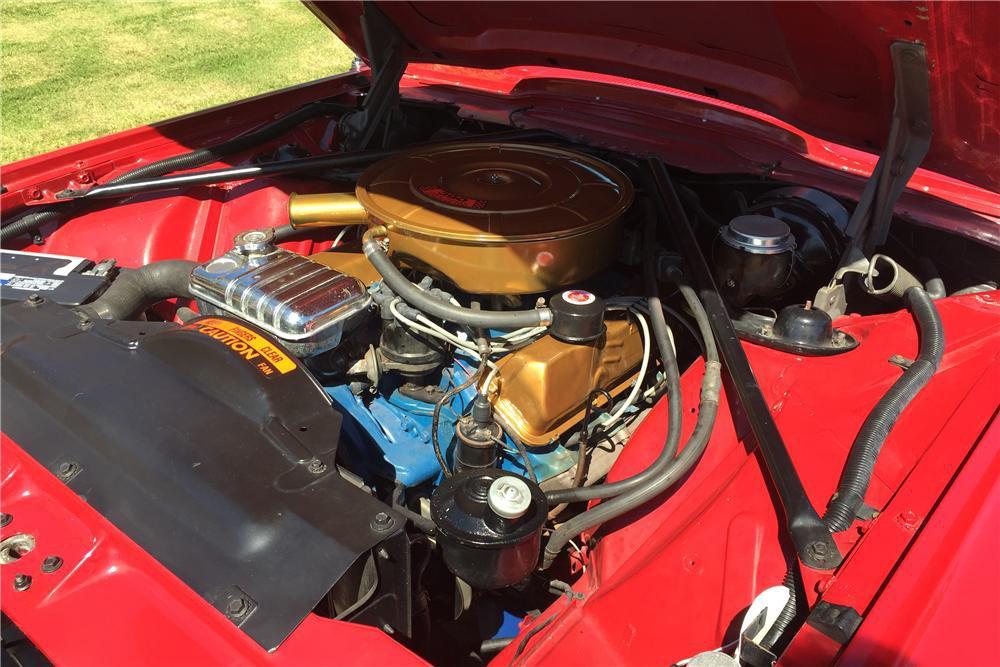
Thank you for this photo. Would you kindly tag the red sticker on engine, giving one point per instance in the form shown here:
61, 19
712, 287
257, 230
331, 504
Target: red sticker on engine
578, 296
438, 193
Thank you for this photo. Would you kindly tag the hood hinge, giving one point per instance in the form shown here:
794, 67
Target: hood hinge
384, 46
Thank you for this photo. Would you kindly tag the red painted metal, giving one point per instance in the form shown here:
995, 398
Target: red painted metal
821, 66
660, 588
112, 604
676, 577
687, 130
694, 132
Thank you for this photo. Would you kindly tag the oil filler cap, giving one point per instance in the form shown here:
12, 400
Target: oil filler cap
577, 316
509, 497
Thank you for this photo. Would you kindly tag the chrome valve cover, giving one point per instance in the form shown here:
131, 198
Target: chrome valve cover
304, 304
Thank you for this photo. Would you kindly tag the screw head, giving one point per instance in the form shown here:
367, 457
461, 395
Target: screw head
22, 582
316, 467
51, 564
35, 300
5, 519
382, 521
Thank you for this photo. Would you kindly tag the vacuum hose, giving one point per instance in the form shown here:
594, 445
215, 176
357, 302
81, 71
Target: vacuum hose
673, 386
711, 385
857, 473
134, 291
416, 297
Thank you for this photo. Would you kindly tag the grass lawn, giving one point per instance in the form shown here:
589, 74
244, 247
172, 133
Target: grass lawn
75, 70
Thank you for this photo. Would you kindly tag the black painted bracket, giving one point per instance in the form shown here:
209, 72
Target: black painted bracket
836, 621
384, 47
908, 142
812, 540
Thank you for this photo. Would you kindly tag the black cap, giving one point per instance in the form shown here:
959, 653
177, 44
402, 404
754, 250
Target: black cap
804, 326
577, 316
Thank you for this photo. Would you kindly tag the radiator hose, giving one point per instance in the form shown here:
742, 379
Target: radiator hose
135, 290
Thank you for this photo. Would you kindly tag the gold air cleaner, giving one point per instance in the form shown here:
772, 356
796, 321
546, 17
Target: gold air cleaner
491, 218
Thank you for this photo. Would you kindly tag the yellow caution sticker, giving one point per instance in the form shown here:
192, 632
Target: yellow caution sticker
248, 344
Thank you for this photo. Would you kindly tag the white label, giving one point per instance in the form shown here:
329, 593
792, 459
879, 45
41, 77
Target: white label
29, 283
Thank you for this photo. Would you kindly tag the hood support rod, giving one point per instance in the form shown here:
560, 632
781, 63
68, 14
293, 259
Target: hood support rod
812, 539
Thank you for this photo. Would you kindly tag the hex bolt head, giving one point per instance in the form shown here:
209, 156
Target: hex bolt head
22, 582
51, 564
237, 607
382, 521
5, 519
67, 469
316, 467
35, 300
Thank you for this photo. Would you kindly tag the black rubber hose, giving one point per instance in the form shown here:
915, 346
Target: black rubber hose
133, 291
416, 297
209, 154
30, 222
673, 380
933, 283
857, 473
708, 407
788, 613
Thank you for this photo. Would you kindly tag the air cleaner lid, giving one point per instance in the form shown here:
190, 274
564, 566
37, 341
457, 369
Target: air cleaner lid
494, 192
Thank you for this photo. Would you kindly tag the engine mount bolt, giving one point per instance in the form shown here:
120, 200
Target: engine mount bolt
51, 564
22, 582
382, 521
5, 519
316, 467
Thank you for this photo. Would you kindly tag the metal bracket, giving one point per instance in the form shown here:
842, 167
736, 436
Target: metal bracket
384, 46
810, 536
836, 621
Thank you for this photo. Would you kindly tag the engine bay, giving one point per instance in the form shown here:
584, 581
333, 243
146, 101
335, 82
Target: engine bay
406, 379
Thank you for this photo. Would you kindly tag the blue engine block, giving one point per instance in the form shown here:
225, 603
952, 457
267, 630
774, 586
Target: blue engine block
388, 436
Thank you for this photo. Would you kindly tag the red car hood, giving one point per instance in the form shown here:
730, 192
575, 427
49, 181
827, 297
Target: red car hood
823, 67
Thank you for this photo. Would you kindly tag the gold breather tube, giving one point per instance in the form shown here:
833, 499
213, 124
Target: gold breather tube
328, 209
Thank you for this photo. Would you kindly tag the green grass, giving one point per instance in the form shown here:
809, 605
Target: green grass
72, 71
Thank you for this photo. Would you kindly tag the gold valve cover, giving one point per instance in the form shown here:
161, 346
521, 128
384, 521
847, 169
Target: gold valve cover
498, 218
543, 387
